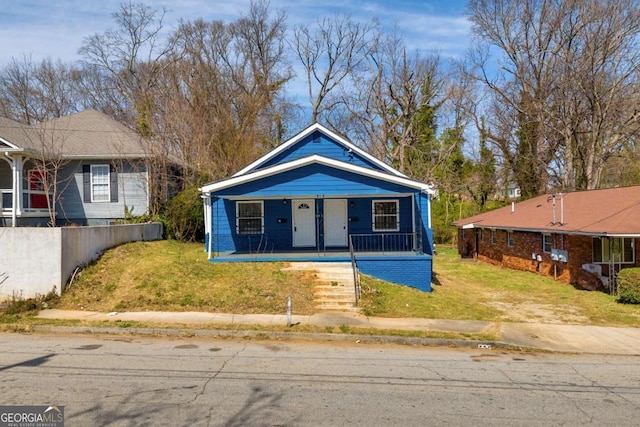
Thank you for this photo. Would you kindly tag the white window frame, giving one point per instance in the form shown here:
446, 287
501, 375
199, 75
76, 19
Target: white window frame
493, 236
620, 242
547, 242
259, 202
374, 215
108, 184
511, 241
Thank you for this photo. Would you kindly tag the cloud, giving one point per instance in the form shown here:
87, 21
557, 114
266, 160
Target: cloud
45, 28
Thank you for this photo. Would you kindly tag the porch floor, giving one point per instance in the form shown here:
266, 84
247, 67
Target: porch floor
319, 256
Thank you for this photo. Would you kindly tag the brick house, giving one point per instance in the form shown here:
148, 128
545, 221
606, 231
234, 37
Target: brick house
583, 238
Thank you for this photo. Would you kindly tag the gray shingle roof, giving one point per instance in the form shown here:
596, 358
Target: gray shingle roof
82, 135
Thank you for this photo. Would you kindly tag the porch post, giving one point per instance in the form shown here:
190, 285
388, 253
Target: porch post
17, 163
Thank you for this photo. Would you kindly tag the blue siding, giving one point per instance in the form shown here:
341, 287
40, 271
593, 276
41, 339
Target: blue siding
318, 143
414, 271
423, 206
313, 180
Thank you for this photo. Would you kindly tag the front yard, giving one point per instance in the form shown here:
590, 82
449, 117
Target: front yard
172, 276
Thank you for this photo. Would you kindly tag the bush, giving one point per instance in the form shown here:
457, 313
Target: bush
629, 286
184, 216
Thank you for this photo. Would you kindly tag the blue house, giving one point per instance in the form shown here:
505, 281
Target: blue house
319, 197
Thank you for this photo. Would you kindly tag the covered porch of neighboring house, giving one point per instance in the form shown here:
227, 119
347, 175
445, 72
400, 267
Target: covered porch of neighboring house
22, 190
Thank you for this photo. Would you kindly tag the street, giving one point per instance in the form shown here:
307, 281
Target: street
122, 380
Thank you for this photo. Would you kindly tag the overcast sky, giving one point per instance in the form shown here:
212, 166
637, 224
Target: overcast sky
56, 28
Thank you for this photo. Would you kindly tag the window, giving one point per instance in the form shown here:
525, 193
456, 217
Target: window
100, 183
493, 237
464, 234
616, 249
385, 215
481, 235
250, 217
546, 243
510, 241
100, 191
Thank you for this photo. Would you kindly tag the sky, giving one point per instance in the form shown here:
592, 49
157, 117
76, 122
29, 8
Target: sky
56, 28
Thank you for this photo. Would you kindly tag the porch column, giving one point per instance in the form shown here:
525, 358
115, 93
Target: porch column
17, 163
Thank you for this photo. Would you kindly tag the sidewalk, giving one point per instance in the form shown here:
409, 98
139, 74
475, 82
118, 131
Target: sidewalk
552, 337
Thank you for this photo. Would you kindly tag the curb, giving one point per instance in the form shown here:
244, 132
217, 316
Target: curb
267, 335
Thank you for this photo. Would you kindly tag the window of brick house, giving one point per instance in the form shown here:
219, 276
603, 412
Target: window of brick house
493, 237
616, 249
510, 241
546, 243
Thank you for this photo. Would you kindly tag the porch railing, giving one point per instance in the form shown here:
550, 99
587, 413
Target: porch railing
6, 200
385, 242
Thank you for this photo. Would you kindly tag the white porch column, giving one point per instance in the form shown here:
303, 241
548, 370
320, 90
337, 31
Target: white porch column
17, 164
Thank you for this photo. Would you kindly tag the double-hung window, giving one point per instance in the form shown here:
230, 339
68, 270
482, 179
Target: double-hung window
250, 217
493, 237
546, 243
100, 190
386, 215
510, 240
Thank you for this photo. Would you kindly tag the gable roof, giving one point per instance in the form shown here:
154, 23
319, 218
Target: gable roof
308, 131
315, 159
606, 212
88, 134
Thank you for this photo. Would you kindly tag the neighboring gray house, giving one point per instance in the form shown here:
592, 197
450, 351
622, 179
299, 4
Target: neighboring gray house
89, 165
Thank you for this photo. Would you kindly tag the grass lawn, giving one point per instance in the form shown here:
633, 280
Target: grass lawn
469, 290
173, 276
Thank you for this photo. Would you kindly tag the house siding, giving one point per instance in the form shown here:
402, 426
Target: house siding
314, 180
318, 143
526, 249
278, 219
132, 194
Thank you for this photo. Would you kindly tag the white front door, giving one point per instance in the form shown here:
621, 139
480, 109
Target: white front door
304, 222
335, 222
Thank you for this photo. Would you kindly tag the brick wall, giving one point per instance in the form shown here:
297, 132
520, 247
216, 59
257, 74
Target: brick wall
527, 246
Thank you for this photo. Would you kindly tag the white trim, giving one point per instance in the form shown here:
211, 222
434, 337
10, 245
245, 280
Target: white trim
340, 140
93, 200
315, 159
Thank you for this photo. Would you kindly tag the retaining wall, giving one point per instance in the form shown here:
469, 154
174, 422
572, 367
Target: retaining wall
36, 261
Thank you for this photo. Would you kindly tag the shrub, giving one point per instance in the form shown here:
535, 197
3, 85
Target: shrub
629, 286
184, 215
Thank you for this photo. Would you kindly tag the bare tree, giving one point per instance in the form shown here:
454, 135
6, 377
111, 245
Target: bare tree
32, 93
564, 96
331, 52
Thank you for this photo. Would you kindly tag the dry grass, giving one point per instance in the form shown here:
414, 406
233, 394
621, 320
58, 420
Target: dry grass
469, 290
172, 276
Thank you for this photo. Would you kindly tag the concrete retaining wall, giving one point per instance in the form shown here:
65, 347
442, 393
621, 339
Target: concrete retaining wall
36, 261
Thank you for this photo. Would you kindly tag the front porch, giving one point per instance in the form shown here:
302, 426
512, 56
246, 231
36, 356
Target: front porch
409, 268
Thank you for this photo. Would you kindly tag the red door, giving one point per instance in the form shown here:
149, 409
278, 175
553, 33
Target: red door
36, 183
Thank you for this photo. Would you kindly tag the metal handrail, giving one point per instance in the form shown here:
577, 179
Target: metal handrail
385, 242
356, 275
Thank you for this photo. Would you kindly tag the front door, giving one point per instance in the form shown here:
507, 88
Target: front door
304, 223
335, 222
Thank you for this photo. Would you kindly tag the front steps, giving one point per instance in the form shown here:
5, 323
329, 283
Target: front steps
334, 288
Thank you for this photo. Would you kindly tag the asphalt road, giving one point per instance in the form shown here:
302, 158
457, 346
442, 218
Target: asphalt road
146, 381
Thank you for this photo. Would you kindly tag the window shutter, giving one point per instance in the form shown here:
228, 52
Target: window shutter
86, 182
113, 184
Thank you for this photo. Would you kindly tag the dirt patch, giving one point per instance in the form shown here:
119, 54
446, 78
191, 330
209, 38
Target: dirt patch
531, 312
